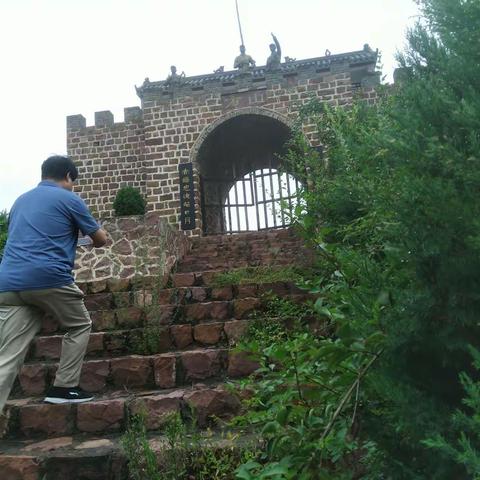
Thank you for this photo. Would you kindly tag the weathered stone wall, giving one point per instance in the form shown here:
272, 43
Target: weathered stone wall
108, 156
177, 119
137, 245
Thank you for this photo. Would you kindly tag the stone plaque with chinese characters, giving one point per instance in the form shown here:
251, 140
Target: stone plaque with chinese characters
187, 196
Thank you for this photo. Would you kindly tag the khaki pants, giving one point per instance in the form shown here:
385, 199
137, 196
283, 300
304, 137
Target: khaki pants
21, 316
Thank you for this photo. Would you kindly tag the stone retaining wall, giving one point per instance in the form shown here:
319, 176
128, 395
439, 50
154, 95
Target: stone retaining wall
137, 245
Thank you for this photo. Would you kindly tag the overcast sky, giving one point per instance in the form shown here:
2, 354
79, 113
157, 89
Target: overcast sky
63, 57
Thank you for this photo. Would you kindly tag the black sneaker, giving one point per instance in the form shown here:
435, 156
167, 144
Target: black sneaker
67, 395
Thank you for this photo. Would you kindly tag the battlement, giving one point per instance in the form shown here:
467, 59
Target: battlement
214, 122
360, 63
105, 118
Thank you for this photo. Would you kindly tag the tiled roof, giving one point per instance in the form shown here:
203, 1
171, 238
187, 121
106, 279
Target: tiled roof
353, 58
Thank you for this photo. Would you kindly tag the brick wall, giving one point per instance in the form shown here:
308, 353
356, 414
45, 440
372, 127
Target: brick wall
108, 156
145, 150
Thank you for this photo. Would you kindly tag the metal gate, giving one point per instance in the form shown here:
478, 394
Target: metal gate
261, 200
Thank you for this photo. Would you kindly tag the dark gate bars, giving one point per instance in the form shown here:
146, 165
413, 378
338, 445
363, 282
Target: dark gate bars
227, 205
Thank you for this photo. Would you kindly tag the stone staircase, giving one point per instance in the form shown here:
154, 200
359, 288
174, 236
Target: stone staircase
154, 348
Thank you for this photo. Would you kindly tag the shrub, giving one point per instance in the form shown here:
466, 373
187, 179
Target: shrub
129, 201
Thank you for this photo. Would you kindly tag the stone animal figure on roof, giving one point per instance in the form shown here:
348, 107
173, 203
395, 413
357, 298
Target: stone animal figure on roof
244, 61
275, 58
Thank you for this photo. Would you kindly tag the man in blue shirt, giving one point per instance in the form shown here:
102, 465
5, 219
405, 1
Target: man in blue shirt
36, 277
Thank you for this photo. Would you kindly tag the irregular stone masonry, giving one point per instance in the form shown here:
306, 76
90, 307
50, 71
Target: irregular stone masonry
145, 150
194, 327
136, 245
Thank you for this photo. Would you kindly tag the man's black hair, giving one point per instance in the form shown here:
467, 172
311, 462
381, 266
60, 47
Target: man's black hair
57, 167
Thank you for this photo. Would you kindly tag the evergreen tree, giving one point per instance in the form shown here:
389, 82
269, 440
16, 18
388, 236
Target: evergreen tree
394, 206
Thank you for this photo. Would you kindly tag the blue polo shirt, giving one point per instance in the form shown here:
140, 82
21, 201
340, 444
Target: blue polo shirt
42, 238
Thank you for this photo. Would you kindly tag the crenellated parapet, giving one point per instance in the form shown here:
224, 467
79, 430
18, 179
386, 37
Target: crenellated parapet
108, 156
105, 118
190, 119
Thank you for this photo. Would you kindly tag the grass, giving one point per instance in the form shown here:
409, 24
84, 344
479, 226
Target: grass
246, 275
186, 453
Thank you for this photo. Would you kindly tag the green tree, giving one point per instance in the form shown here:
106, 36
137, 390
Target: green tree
465, 449
394, 209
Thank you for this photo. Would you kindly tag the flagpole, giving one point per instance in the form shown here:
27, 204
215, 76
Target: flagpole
239, 23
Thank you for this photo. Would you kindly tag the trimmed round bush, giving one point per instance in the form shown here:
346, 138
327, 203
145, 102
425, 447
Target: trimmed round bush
129, 201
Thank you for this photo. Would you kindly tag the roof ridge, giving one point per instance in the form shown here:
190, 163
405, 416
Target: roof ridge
355, 57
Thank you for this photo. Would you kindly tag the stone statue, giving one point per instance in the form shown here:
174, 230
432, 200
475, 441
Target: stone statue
219, 69
145, 83
174, 78
275, 58
290, 59
243, 62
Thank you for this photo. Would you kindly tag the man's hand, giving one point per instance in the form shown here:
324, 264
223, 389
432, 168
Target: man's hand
99, 238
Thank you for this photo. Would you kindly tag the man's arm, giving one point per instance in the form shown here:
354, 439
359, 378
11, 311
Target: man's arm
85, 222
99, 238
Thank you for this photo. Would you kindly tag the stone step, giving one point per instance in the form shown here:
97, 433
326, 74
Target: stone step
203, 277
165, 370
194, 264
132, 303
195, 294
249, 237
80, 457
168, 314
182, 305
108, 313
244, 249
194, 322
91, 456
182, 294
161, 339
34, 419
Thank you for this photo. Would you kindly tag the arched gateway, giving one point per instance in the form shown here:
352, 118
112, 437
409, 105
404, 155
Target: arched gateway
237, 158
204, 149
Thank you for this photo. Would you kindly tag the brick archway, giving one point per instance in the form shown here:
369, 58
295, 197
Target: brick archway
263, 112
231, 153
